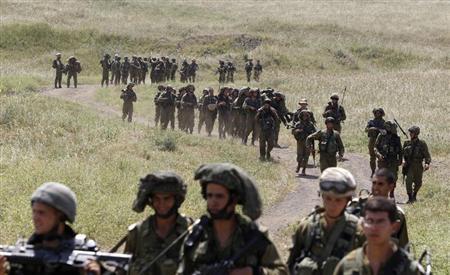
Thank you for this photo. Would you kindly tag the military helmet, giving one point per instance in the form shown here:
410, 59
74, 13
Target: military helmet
236, 180
378, 110
303, 113
303, 101
414, 129
58, 196
330, 119
58, 54
174, 60
334, 96
337, 182
132, 84
159, 182
390, 126
267, 100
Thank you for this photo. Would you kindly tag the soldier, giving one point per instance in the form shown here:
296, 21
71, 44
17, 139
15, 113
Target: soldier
201, 112
373, 128
59, 70
106, 67
248, 69
383, 182
415, 153
73, 68
336, 111
125, 70
234, 114
224, 108
222, 71
267, 118
279, 104
388, 150
231, 69
330, 143
153, 64
166, 101
161, 89
303, 103
210, 110
128, 96
379, 255
159, 71
224, 234
257, 70
115, 70
301, 131
174, 68
135, 68
268, 93
184, 71
327, 234
180, 114
164, 192
168, 69
188, 105
144, 69
250, 107
53, 204
238, 104
192, 71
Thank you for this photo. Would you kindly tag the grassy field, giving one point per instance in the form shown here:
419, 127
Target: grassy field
390, 54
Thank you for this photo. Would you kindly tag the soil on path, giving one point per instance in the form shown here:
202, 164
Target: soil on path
290, 208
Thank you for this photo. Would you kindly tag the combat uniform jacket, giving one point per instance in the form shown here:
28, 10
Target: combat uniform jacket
58, 66
306, 127
416, 152
317, 251
357, 263
337, 112
330, 143
388, 149
263, 258
296, 117
356, 206
377, 123
145, 245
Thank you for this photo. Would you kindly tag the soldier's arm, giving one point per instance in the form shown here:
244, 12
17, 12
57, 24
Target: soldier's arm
298, 244
426, 153
271, 262
275, 115
376, 147
340, 145
310, 139
130, 245
402, 233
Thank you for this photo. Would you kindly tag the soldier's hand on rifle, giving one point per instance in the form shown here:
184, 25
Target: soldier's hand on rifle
2, 265
242, 271
92, 267
426, 167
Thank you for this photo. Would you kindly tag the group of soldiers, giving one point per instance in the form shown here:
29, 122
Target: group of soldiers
226, 71
135, 70
71, 69
341, 236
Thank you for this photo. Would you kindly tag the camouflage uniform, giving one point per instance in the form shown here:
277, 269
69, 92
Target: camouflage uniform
373, 129
248, 69
330, 143
115, 70
335, 111
173, 68
209, 113
223, 107
201, 111
267, 117
157, 105
388, 149
279, 104
128, 96
153, 64
135, 68
240, 113
202, 249
357, 263
192, 71
231, 69
250, 107
257, 70
222, 71
106, 67
166, 101
184, 71
301, 131
73, 68
59, 70
188, 105
125, 70
303, 106
415, 153
144, 70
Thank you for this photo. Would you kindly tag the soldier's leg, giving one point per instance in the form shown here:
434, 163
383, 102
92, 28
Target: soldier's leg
75, 79
256, 131
262, 147
172, 118
332, 161
247, 129
59, 76
277, 133
270, 143
372, 162
248, 76
56, 80
124, 112
409, 179
418, 176
69, 76
323, 162
130, 113
157, 114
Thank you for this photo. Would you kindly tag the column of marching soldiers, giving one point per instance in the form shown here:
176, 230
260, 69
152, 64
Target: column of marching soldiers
346, 234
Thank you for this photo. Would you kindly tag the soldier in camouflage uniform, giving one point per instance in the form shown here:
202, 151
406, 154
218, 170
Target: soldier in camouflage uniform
73, 68
173, 68
135, 68
231, 69
223, 233
336, 111
303, 103
125, 70
168, 69
161, 89
201, 113
188, 105
239, 121
379, 255
106, 67
279, 104
248, 69
234, 113
415, 153
166, 102
192, 71
383, 183
330, 144
209, 106
144, 69
388, 150
115, 70
222, 71
373, 128
184, 70
128, 96
224, 108
257, 70
153, 63
164, 192
267, 118
328, 233
250, 107
301, 131
59, 70
180, 117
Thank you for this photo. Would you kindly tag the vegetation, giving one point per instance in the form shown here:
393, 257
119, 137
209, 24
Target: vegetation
308, 49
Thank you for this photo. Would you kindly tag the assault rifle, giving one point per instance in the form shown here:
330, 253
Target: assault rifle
427, 256
24, 254
400, 127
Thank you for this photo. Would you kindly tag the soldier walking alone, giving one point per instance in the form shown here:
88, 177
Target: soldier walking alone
128, 96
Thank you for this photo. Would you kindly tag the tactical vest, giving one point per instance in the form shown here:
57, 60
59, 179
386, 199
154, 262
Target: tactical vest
389, 146
328, 143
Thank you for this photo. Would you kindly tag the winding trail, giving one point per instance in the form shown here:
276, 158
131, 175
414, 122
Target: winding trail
290, 209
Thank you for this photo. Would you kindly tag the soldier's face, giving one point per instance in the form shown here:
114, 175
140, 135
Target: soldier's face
378, 228
162, 203
412, 135
45, 217
334, 206
217, 197
330, 125
381, 187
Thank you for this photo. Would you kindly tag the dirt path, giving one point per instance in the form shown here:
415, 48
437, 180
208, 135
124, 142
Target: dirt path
291, 208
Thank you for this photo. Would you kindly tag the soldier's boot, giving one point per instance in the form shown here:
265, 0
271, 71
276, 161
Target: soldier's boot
298, 167
414, 197
410, 198
304, 171
268, 157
